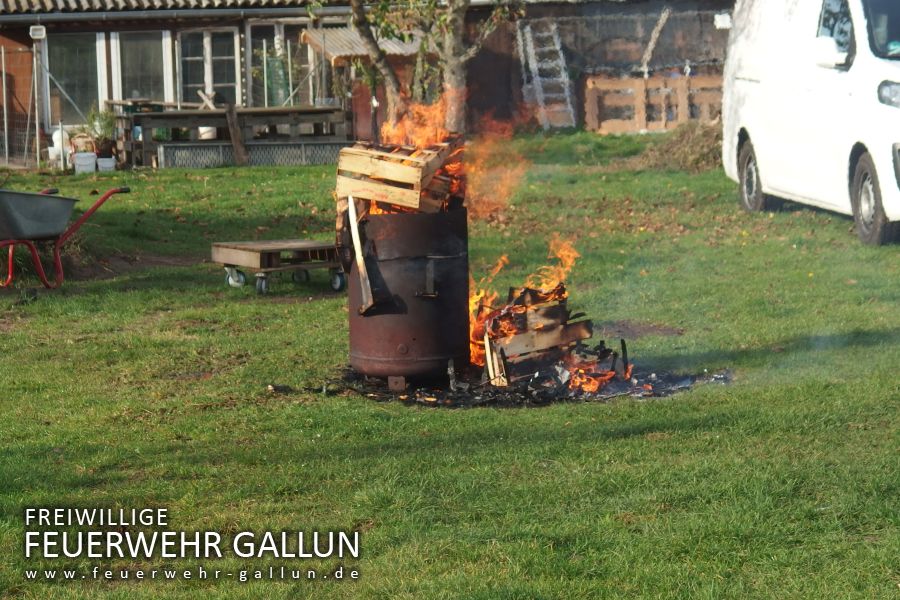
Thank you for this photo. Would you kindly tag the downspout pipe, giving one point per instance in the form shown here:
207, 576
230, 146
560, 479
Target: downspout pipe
175, 14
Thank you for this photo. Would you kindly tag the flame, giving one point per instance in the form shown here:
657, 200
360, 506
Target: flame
423, 125
549, 277
481, 299
494, 169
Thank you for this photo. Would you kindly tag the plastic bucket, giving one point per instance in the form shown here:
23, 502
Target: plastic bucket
85, 162
105, 165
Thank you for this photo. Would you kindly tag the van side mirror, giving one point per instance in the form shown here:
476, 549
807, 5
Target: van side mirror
827, 54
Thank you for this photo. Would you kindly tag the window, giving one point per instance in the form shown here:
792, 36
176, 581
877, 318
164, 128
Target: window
285, 67
835, 23
142, 65
72, 61
884, 27
209, 64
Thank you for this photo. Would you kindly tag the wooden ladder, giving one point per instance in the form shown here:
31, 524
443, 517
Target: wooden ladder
544, 74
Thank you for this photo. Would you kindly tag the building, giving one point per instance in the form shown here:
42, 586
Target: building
253, 53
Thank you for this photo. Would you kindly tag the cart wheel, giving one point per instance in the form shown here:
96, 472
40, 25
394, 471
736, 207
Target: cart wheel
300, 276
234, 278
262, 285
338, 281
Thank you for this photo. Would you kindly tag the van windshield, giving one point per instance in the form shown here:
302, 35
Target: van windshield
884, 27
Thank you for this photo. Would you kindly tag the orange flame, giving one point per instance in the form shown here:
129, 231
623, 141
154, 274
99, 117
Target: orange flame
481, 300
550, 276
505, 321
423, 125
494, 169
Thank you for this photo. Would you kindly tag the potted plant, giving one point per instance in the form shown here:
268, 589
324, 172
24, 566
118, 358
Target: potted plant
101, 126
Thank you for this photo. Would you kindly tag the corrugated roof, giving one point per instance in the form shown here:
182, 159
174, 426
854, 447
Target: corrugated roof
342, 44
48, 6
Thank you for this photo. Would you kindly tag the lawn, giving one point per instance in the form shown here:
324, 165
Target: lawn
143, 383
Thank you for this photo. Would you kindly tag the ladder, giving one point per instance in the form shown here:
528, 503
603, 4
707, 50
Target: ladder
544, 75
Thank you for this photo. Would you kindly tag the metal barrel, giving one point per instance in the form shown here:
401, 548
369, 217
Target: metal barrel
418, 265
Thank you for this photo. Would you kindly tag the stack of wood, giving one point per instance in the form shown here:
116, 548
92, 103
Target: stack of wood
534, 330
402, 178
378, 179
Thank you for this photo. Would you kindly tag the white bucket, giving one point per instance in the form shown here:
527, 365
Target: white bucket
85, 162
207, 133
105, 165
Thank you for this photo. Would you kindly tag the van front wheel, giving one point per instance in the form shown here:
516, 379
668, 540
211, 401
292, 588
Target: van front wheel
752, 197
872, 225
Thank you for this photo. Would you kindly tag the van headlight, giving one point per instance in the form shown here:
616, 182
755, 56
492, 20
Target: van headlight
889, 93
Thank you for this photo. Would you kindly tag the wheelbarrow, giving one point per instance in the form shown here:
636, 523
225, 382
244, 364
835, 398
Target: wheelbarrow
27, 218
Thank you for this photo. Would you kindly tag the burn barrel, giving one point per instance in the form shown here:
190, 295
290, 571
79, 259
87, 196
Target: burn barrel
418, 265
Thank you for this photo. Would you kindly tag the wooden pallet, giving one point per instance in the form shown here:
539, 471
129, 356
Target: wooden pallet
276, 255
272, 256
399, 175
654, 104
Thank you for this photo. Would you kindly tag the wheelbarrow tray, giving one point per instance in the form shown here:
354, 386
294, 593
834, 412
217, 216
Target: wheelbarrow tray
25, 216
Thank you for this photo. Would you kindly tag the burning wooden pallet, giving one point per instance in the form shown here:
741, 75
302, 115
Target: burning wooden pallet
422, 179
537, 333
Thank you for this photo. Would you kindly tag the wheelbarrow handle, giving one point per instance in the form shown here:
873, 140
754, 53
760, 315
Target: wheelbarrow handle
49, 191
87, 214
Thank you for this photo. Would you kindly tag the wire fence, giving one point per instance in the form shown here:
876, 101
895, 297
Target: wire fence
17, 142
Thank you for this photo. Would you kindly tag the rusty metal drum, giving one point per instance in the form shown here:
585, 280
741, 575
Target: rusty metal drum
418, 266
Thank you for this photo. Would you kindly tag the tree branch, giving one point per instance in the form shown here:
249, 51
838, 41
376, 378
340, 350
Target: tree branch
377, 56
498, 15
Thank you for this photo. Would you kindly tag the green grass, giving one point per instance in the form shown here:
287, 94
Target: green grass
148, 388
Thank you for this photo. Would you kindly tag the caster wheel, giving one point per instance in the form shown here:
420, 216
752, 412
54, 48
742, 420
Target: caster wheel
235, 278
262, 285
338, 281
301, 276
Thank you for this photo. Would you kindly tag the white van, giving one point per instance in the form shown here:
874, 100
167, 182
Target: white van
811, 108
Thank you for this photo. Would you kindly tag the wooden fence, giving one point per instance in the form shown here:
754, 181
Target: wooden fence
654, 104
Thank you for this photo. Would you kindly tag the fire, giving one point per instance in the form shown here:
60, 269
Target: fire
589, 376
549, 277
506, 320
423, 125
494, 169
481, 299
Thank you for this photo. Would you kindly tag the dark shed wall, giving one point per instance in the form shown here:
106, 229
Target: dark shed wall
596, 37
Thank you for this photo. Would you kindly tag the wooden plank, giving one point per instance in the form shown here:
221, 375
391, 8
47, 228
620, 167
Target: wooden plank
542, 339
592, 109
237, 257
640, 104
682, 92
379, 192
387, 155
241, 156
617, 100
275, 245
617, 126
365, 287
372, 166
547, 315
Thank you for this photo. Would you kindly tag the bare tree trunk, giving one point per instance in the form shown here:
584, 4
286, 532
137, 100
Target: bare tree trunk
455, 95
395, 104
454, 54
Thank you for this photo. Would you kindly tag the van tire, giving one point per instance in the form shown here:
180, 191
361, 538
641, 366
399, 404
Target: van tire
872, 225
751, 196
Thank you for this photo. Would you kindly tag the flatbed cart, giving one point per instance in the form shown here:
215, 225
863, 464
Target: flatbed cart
27, 218
274, 256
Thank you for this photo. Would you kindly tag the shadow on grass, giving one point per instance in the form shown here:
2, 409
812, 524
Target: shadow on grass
465, 441
792, 350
